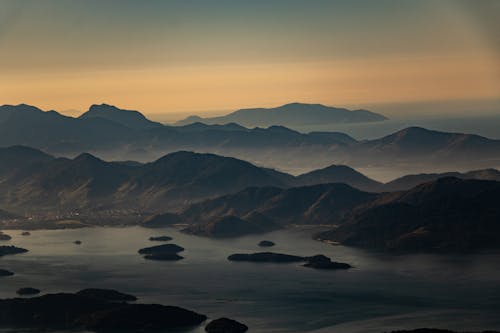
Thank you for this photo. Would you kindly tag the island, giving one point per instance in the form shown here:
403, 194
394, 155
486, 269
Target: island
160, 239
83, 311
7, 250
165, 252
4, 237
323, 262
266, 243
4, 272
162, 249
265, 257
25, 233
225, 325
28, 291
318, 261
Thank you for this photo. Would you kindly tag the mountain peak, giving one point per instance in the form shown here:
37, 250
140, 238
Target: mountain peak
86, 157
129, 118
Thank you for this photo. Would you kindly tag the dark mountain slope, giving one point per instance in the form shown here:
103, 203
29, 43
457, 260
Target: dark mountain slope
448, 214
339, 174
267, 208
87, 182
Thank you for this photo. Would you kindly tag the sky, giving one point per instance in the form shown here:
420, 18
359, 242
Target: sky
184, 57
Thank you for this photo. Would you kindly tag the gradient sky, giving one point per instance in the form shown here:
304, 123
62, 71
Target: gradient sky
193, 56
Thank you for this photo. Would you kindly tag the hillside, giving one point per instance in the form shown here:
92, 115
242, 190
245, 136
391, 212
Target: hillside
449, 214
263, 209
87, 182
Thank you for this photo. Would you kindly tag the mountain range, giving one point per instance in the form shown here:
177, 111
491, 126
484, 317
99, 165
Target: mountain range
115, 134
31, 180
447, 214
293, 114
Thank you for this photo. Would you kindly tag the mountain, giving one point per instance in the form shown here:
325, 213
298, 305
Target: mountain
50, 131
231, 226
129, 118
127, 135
409, 181
263, 209
292, 114
43, 182
449, 214
417, 142
339, 174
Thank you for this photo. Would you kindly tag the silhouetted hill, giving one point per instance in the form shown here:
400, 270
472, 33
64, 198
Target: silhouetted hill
53, 132
449, 214
417, 142
409, 181
339, 174
116, 134
129, 118
290, 115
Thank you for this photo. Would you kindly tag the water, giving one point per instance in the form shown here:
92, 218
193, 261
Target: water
382, 292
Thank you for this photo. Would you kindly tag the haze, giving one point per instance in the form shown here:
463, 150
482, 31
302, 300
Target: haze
183, 57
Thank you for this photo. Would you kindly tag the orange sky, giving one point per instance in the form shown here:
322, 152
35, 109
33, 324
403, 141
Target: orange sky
214, 62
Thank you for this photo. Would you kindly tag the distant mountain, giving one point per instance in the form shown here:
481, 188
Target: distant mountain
339, 174
449, 214
55, 133
409, 181
128, 118
264, 209
292, 114
115, 134
420, 142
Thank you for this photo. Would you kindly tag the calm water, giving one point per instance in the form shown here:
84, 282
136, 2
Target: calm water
381, 293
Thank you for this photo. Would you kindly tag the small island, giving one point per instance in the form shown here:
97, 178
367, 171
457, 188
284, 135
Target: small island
165, 252
318, 261
165, 248
8, 250
4, 237
265, 257
323, 262
266, 243
4, 272
225, 325
160, 238
27, 291
25, 233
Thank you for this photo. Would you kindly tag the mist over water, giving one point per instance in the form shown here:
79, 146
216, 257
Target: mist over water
484, 125
381, 292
